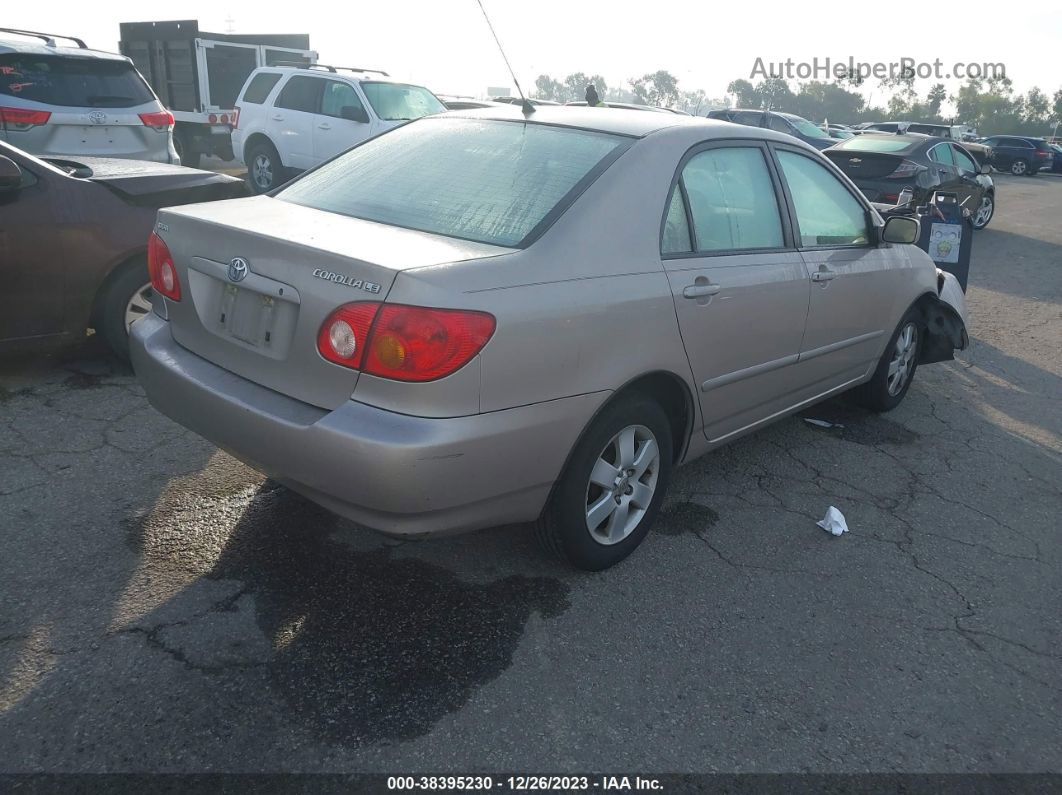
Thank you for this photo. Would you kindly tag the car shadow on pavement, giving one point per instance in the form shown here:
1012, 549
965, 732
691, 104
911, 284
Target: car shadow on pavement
365, 638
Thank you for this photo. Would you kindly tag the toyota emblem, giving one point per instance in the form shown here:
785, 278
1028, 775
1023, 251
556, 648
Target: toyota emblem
97, 117
238, 269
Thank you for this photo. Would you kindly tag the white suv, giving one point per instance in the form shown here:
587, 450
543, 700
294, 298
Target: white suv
58, 100
292, 118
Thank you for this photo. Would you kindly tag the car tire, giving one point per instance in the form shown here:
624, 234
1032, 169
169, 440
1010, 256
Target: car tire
125, 298
636, 432
264, 168
1019, 167
188, 157
887, 387
981, 218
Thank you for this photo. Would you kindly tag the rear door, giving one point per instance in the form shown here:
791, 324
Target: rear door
342, 122
739, 286
852, 285
291, 121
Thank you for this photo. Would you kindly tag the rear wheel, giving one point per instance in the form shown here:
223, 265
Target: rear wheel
263, 167
189, 157
1019, 167
896, 368
610, 491
125, 299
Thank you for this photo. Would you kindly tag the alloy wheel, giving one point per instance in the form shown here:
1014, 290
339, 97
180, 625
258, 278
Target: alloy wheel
1017, 167
622, 484
903, 359
984, 212
262, 171
138, 306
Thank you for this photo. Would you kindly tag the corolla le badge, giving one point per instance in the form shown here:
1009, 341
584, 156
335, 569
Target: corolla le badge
97, 117
339, 278
238, 269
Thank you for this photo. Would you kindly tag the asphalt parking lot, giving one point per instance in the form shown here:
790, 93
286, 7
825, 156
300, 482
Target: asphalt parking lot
165, 609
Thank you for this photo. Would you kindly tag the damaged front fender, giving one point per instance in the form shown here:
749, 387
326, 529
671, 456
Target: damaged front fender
945, 321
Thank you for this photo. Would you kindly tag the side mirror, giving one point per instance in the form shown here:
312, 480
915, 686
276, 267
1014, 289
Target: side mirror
900, 229
354, 113
985, 168
10, 175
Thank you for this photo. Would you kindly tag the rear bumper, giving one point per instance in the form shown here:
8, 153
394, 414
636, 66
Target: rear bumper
399, 474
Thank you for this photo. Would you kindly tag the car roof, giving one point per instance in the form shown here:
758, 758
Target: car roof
366, 76
619, 121
17, 45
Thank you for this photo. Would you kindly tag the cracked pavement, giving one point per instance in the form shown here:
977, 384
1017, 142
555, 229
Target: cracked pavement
165, 609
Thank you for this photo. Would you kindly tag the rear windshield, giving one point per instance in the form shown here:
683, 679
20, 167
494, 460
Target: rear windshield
397, 102
72, 82
875, 143
489, 181
806, 127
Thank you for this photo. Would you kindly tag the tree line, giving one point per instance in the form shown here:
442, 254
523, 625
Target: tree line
990, 105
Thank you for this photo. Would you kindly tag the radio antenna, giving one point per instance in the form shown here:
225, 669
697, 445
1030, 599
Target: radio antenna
526, 106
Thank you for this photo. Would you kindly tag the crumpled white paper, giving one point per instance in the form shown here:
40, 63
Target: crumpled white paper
833, 522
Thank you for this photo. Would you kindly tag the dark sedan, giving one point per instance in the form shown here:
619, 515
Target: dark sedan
73, 242
788, 123
883, 165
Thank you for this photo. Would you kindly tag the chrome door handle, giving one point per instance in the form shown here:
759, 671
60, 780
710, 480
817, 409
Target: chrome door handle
324, 126
700, 290
822, 275
277, 117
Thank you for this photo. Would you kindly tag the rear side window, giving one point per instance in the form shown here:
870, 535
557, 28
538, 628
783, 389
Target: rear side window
493, 182
676, 238
259, 87
827, 214
300, 93
732, 200
73, 82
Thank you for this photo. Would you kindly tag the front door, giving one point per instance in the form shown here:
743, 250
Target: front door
851, 281
739, 286
342, 122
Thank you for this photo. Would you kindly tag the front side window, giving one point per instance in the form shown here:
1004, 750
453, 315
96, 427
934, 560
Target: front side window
489, 181
963, 160
827, 214
398, 102
259, 87
732, 200
300, 93
336, 97
73, 82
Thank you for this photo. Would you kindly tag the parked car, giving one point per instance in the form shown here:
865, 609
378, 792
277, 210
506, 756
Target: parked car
427, 336
73, 240
465, 103
883, 165
1020, 155
787, 123
1056, 163
289, 119
519, 101
198, 75
839, 131
58, 100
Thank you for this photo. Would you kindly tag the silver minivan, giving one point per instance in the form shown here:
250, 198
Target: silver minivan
58, 101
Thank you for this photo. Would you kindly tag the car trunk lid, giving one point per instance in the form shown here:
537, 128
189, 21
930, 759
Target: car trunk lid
864, 165
259, 276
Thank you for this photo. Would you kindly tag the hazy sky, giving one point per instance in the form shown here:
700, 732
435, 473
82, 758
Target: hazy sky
445, 44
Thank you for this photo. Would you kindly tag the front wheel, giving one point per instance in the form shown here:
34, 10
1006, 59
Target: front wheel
984, 212
611, 489
125, 299
896, 368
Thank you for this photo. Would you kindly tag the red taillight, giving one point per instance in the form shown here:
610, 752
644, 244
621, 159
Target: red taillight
906, 169
160, 120
403, 343
161, 269
23, 119
236, 118
213, 118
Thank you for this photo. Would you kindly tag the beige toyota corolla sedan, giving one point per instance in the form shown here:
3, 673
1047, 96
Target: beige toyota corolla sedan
485, 318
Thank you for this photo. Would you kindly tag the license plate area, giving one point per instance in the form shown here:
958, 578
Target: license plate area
259, 314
